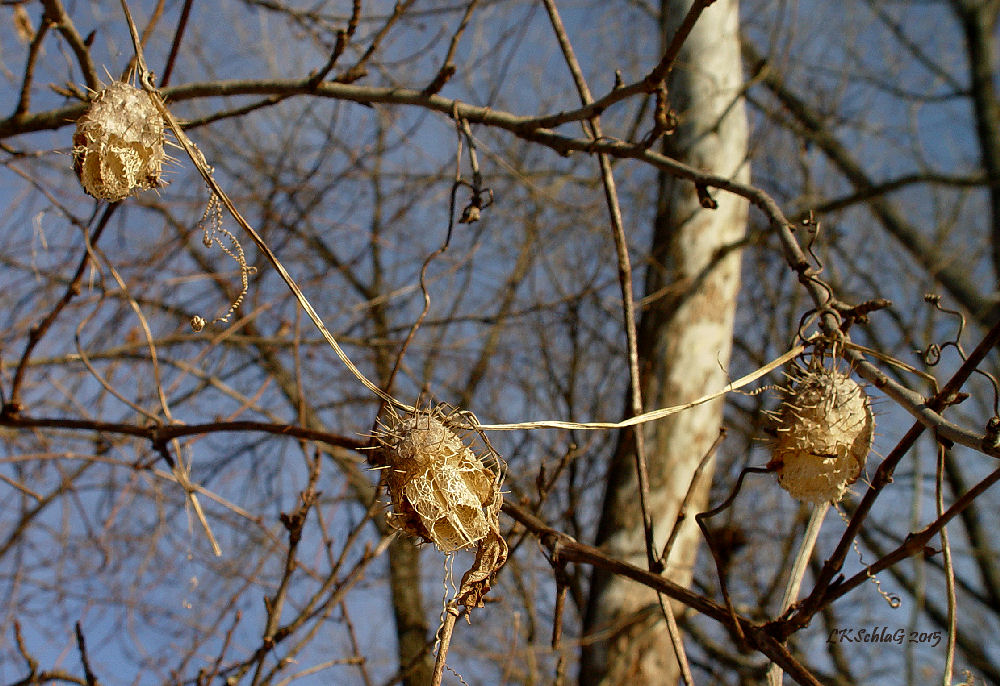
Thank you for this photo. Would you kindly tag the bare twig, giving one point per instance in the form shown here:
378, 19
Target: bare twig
798, 571
319, 668
20, 487
181, 474
175, 44
207, 678
294, 524
670, 55
56, 13
701, 519
81, 645
688, 496
913, 545
949, 570
447, 69
562, 586
624, 278
154, 19
343, 40
444, 641
360, 68
23, 649
355, 646
144, 325
654, 563
24, 101
328, 596
162, 433
44, 676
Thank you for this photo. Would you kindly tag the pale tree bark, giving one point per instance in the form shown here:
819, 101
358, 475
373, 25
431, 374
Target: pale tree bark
685, 336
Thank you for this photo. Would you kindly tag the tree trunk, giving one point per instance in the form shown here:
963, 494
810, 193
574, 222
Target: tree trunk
685, 338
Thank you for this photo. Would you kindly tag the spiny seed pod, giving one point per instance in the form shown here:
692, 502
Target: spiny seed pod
439, 489
824, 432
118, 144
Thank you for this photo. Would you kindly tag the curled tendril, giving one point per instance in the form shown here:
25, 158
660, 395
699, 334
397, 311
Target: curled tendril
828, 306
892, 599
811, 315
813, 228
211, 226
482, 197
931, 355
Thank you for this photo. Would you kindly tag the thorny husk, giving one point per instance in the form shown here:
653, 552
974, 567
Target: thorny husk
824, 433
118, 143
444, 492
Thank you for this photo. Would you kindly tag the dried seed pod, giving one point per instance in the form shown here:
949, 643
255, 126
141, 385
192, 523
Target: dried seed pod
118, 144
824, 432
439, 489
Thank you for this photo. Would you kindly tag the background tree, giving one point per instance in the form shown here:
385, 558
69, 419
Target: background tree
351, 136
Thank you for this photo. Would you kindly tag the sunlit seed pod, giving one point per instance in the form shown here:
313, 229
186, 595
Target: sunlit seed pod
439, 488
118, 143
824, 433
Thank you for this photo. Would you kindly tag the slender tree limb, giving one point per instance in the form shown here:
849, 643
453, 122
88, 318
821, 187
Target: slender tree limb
448, 68
24, 101
880, 188
175, 44
81, 645
169, 432
359, 69
980, 538
798, 571
343, 40
593, 126
56, 13
970, 642
949, 570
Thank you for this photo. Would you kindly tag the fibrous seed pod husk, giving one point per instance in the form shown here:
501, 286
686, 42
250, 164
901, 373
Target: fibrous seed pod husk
440, 490
824, 433
118, 143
